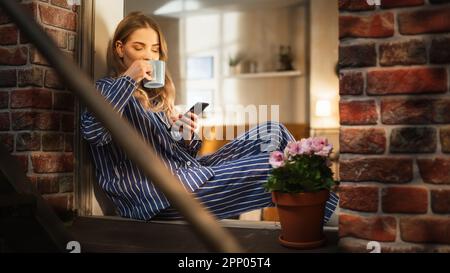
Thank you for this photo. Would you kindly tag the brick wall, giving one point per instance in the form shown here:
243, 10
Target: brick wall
395, 125
36, 110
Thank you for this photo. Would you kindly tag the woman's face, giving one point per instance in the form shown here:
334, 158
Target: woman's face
142, 44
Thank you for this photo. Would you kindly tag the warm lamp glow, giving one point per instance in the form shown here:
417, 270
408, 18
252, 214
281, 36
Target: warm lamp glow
323, 108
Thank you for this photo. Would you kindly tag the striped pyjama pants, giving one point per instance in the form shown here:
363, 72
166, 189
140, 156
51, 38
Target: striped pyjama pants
241, 167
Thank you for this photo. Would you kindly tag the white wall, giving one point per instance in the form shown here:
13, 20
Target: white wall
324, 56
108, 14
258, 34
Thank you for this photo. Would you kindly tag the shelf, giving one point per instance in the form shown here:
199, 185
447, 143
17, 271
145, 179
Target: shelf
274, 74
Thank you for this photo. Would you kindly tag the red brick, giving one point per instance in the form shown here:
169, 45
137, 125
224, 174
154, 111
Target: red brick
440, 200
384, 169
425, 229
377, 228
13, 56
33, 120
404, 200
22, 120
406, 111
4, 99
440, 50
403, 53
358, 112
413, 140
61, 3
9, 35
8, 78
36, 57
386, 4
351, 83
362, 141
28, 141
52, 142
31, 77
58, 17
371, 26
445, 139
361, 55
58, 36
52, 163
424, 21
68, 122
8, 141
441, 111
47, 121
435, 171
359, 198
34, 98
68, 146
63, 101
23, 161
354, 5
52, 80
45, 184
407, 81
5, 123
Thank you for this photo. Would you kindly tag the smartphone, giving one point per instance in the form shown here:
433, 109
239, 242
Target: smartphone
198, 108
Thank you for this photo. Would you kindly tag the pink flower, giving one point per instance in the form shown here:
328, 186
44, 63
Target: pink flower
276, 159
318, 143
305, 146
326, 150
292, 149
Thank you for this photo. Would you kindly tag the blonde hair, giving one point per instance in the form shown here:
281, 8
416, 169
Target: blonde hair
156, 100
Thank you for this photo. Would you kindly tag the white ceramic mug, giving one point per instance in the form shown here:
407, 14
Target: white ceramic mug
158, 75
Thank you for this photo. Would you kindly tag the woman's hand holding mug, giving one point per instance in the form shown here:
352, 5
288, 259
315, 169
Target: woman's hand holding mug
139, 70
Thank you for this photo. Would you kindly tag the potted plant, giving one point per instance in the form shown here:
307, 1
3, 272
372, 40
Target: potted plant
235, 64
300, 182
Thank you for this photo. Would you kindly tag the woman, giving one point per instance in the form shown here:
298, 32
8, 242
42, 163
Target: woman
228, 182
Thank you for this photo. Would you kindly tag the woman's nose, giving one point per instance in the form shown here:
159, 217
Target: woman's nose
148, 55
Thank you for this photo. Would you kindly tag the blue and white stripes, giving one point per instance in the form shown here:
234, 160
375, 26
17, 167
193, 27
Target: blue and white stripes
228, 182
135, 196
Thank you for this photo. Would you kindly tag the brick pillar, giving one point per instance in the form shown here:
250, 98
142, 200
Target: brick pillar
395, 117
36, 110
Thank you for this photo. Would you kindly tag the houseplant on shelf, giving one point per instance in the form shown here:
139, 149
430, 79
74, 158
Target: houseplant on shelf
300, 182
235, 63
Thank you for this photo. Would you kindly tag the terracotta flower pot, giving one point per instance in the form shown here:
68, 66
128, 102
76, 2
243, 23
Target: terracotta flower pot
301, 218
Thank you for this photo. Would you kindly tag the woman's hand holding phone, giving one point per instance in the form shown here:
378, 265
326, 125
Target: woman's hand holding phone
185, 124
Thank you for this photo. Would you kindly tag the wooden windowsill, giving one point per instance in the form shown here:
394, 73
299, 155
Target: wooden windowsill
116, 234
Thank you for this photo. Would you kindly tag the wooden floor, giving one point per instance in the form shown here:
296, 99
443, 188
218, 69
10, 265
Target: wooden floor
115, 234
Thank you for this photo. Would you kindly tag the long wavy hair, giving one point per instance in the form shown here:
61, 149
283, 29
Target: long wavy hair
158, 99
